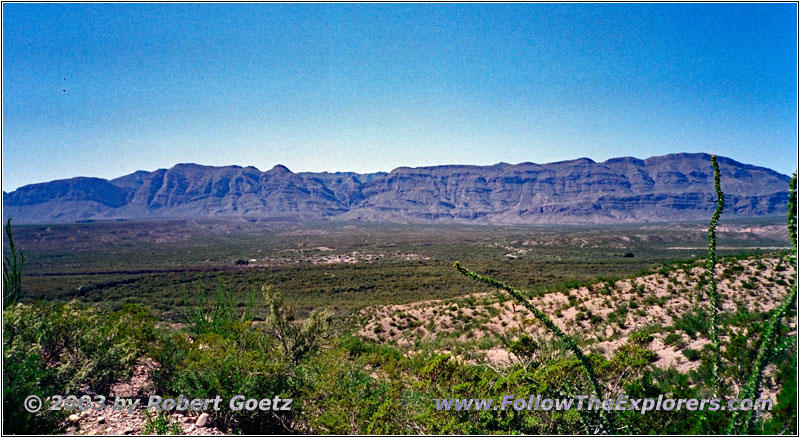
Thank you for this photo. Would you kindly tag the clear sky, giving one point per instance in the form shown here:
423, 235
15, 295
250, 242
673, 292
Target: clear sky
104, 90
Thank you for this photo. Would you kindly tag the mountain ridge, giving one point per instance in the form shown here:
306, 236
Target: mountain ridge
619, 190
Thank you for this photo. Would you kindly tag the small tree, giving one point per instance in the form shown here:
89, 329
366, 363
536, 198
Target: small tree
295, 338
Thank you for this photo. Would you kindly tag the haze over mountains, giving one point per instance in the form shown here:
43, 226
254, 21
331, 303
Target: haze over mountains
675, 187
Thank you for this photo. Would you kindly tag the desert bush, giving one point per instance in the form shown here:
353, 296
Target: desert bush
633, 357
783, 418
160, 424
693, 322
170, 352
216, 366
297, 339
672, 339
83, 347
363, 404
371, 353
692, 355
219, 314
227, 353
65, 349
23, 375
524, 347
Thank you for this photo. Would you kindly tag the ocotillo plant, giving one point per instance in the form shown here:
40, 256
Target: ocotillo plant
769, 339
12, 271
792, 215
608, 420
711, 264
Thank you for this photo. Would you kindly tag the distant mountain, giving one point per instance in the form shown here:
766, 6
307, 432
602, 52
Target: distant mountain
667, 188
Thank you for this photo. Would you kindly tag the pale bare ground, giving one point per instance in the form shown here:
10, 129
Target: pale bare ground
109, 421
596, 314
730, 247
322, 255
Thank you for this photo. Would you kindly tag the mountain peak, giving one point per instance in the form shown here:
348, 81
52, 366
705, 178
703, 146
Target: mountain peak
188, 166
582, 160
624, 160
280, 168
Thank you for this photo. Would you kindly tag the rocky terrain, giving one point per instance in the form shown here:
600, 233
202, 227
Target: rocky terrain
121, 422
603, 315
657, 189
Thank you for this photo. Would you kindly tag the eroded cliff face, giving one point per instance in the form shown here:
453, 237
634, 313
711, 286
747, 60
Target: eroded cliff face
669, 187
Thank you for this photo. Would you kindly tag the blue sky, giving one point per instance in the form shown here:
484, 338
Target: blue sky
104, 90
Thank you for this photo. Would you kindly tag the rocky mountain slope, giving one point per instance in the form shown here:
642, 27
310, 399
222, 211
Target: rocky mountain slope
664, 188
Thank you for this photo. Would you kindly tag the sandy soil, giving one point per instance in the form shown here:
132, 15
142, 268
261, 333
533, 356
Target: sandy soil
651, 300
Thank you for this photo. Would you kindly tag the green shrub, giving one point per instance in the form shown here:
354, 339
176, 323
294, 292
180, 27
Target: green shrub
362, 404
524, 347
690, 354
371, 353
672, 339
23, 375
633, 356
218, 314
79, 344
65, 349
619, 315
784, 415
228, 354
170, 352
160, 424
693, 322
215, 366
296, 339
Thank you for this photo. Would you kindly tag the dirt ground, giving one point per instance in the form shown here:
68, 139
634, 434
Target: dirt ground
603, 315
112, 422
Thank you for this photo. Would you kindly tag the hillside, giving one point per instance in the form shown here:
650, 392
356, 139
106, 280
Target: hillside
671, 187
604, 314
